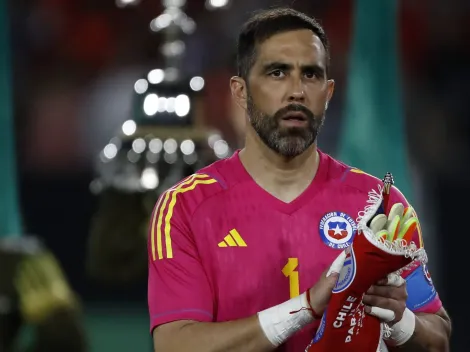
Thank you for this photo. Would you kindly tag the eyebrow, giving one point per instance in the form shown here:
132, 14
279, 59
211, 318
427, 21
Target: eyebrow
275, 65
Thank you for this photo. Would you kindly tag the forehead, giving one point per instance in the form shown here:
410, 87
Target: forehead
293, 46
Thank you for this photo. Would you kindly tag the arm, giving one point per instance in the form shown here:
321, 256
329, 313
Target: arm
432, 324
420, 323
181, 298
180, 295
239, 335
258, 333
432, 332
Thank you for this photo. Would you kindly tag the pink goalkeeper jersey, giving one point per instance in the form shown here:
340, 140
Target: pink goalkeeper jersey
221, 248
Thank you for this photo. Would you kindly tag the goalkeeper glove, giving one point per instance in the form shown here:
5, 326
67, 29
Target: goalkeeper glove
400, 224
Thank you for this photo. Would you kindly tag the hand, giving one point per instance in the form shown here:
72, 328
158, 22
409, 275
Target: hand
387, 299
320, 294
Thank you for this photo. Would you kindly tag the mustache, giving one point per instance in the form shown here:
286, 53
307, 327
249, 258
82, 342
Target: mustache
294, 108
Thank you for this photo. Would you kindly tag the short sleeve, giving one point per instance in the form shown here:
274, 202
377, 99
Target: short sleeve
178, 287
422, 295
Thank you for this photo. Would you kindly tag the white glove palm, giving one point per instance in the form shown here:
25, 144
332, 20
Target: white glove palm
400, 223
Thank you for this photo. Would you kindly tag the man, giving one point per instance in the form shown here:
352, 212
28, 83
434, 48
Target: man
235, 249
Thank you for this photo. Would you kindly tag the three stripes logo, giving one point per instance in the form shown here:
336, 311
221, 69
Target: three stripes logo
161, 241
233, 239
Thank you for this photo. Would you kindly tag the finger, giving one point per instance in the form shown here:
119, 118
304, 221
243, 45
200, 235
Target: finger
395, 280
378, 223
384, 300
382, 282
381, 291
337, 265
374, 290
385, 315
388, 292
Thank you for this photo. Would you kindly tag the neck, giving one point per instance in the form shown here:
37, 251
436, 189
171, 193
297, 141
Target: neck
282, 176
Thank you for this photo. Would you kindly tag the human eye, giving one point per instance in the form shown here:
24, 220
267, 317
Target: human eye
311, 75
278, 73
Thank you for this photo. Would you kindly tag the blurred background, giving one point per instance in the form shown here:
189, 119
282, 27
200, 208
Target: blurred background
88, 80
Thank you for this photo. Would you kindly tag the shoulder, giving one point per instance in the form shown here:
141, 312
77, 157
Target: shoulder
355, 178
350, 176
361, 180
171, 218
188, 194
364, 182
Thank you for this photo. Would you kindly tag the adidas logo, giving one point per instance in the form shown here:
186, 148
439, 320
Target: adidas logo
233, 239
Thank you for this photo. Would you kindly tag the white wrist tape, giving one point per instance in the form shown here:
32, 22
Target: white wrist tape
282, 321
402, 331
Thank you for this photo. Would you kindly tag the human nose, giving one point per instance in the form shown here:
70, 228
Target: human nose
297, 93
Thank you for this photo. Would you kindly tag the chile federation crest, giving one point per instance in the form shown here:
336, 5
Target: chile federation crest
337, 229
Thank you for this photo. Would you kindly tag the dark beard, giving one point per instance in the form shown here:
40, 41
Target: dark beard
288, 142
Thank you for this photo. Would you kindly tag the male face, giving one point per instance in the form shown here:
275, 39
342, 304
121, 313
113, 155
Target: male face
287, 91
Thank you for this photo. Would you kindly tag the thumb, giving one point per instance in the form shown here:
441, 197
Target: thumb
320, 293
337, 265
385, 315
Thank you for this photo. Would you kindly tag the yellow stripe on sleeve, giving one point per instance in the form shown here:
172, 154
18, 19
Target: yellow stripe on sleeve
358, 171
162, 210
169, 249
157, 220
154, 218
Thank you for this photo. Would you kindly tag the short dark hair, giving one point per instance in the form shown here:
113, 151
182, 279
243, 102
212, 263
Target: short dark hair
264, 24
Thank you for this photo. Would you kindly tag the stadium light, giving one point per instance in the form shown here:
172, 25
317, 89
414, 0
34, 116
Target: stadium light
141, 86
156, 76
217, 4
196, 83
125, 3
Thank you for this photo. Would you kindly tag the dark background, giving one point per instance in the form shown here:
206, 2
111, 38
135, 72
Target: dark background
75, 64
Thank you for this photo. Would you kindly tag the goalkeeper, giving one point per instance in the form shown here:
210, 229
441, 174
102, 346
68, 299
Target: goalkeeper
235, 249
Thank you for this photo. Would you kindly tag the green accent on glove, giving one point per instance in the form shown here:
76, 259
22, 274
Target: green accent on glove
400, 224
